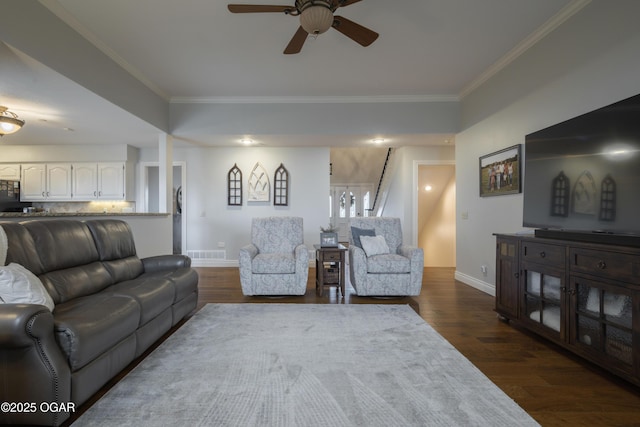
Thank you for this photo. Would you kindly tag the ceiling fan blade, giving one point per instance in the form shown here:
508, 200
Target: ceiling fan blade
295, 45
355, 32
258, 8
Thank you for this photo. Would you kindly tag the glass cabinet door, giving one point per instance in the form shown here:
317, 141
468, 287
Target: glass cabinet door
603, 320
543, 299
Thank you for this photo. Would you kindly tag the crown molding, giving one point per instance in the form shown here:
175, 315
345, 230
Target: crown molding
554, 22
313, 99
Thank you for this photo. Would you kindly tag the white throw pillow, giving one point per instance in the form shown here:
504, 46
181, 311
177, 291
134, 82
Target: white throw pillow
4, 244
20, 286
374, 245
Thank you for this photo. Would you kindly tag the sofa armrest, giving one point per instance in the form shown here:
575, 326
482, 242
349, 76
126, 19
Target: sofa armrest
165, 262
21, 323
32, 367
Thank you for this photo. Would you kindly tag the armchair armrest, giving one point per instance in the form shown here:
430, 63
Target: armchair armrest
248, 252
165, 262
301, 254
411, 252
358, 266
416, 256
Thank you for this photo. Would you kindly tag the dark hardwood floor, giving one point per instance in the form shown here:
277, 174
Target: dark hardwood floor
555, 387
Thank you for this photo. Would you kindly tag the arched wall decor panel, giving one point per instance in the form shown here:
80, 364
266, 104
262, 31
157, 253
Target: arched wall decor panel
259, 186
234, 186
281, 186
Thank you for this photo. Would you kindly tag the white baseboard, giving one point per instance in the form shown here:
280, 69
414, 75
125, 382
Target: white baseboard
475, 283
226, 263
214, 263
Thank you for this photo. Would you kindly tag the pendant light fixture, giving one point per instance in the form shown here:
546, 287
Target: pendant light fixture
9, 122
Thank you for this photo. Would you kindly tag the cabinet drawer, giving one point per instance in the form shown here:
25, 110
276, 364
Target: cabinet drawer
543, 253
610, 265
331, 256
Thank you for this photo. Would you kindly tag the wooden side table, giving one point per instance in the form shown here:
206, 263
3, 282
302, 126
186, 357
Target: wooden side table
330, 266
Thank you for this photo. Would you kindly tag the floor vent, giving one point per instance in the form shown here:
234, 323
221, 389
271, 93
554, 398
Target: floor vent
207, 255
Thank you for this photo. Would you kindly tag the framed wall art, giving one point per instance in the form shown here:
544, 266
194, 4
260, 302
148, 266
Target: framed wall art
281, 186
500, 172
234, 186
259, 186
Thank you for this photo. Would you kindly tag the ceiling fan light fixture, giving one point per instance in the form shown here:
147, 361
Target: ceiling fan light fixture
316, 17
9, 122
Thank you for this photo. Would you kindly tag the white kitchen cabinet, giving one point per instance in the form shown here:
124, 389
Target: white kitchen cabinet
85, 181
111, 181
10, 172
45, 181
100, 181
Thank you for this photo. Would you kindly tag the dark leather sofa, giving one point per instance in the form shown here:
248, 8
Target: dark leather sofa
110, 306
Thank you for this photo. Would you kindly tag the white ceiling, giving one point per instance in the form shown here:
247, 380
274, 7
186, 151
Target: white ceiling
197, 51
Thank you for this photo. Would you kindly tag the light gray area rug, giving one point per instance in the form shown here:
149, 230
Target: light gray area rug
305, 365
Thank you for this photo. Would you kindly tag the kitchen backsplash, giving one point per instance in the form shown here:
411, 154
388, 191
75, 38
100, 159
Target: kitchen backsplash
96, 206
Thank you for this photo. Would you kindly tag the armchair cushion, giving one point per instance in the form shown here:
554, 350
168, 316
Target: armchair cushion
274, 263
374, 245
357, 233
388, 263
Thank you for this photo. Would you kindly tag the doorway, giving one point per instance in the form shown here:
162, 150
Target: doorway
150, 189
346, 202
436, 213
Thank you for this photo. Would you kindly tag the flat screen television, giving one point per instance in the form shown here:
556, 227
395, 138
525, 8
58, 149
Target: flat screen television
582, 176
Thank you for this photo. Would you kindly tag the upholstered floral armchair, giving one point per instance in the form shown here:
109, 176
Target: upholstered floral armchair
276, 262
379, 264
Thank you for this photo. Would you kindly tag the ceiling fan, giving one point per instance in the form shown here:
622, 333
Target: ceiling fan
316, 17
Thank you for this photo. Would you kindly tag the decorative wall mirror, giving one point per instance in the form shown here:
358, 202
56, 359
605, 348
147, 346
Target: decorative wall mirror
281, 186
234, 186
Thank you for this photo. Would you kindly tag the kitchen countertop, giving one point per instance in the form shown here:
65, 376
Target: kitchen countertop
75, 214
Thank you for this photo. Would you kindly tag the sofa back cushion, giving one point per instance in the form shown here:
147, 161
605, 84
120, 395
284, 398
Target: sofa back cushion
69, 258
116, 248
69, 283
62, 244
21, 249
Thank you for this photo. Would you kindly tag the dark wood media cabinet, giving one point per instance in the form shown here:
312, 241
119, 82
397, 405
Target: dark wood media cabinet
582, 296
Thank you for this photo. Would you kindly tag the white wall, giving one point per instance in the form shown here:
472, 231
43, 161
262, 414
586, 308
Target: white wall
210, 220
590, 61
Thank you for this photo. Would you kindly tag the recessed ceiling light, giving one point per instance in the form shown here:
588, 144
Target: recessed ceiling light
377, 140
428, 188
246, 141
